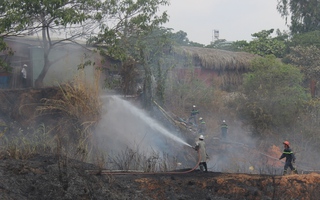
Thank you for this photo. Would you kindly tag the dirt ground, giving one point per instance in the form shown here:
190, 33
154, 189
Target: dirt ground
55, 177
47, 177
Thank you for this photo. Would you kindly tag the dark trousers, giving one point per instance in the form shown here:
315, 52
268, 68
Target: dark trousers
224, 133
288, 164
204, 164
24, 82
193, 119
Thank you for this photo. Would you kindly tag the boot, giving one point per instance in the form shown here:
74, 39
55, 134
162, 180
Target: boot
205, 167
295, 171
285, 172
201, 167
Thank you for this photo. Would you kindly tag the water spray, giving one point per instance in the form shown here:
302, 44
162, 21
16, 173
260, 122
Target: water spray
151, 122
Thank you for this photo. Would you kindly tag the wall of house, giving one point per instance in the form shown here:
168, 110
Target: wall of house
66, 60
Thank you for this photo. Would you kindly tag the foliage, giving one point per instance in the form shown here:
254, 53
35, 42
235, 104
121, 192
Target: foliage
263, 44
4, 66
240, 45
180, 38
304, 15
221, 44
306, 39
182, 94
23, 145
310, 66
273, 94
136, 39
46, 17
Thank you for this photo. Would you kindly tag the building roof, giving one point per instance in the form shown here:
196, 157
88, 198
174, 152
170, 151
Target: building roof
215, 58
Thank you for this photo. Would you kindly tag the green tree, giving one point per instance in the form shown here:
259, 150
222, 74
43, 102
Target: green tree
48, 17
306, 39
263, 44
273, 95
180, 38
133, 36
240, 45
7, 22
221, 44
310, 66
304, 15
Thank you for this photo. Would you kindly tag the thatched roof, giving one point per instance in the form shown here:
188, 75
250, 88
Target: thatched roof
216, 59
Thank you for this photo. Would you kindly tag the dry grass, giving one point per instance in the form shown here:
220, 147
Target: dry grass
80, 110
25, 145
133, 159
216, 59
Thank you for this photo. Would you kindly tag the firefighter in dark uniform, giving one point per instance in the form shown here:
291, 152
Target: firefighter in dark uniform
224, 130
202, 126
290, 158
193, 115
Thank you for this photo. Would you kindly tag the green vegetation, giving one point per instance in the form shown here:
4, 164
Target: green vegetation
304, 15
273, 94
273, 98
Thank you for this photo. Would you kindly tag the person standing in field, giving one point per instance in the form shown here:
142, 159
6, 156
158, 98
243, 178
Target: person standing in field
193, 115
200, 147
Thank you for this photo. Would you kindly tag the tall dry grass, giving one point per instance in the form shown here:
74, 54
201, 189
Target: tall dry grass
78, 110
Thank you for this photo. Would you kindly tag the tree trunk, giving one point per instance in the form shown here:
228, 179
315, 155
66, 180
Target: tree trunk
313, 87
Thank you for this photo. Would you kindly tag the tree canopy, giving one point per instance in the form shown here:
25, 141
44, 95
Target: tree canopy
273, 94
304, 15
135, 38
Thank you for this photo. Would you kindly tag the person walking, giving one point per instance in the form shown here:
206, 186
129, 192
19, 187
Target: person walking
224, 130
290, 158
200, 147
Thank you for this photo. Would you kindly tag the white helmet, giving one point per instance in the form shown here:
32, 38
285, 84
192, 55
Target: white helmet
201, 137
224, 121
194, 106
25, 65
200, 118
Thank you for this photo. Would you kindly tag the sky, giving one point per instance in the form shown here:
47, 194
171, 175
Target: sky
235, 19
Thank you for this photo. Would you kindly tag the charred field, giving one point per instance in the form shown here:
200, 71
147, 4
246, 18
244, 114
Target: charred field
41, 171
45, 177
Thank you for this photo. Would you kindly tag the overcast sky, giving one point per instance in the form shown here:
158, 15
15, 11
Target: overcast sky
235, 19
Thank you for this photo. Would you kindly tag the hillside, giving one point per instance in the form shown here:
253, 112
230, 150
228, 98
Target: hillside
47, 174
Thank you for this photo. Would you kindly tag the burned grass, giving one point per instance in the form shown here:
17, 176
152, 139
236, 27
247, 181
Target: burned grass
38, 178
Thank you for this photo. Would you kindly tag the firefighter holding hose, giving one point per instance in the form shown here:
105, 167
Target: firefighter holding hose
290, 158
200, 147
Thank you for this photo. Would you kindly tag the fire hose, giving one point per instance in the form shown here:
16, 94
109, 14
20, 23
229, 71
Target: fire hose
110, 172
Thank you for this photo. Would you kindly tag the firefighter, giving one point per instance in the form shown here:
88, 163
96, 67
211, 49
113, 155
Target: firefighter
202, 126
224, 130
200, 147
290, 158
193, 115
